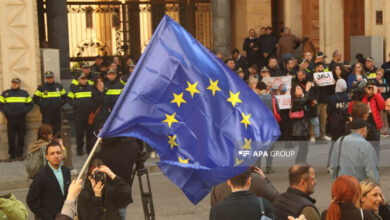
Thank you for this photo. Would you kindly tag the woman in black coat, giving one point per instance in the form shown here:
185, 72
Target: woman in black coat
102, 199
100, 108
300, 106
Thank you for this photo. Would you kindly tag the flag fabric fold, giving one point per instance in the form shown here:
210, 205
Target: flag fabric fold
193, 111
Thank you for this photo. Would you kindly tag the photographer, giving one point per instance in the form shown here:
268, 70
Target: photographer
103, 195
373, 98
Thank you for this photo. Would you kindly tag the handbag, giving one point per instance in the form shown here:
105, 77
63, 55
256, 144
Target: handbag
92, 115
339, 156
276, 114
263, 216
296, 115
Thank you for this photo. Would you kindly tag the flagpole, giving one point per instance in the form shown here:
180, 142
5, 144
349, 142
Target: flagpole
89, 157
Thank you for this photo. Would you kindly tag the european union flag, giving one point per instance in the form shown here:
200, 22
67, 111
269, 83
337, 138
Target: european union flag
194, 111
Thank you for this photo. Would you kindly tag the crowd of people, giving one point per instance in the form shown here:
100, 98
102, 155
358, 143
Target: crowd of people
351, 112
317, 113
92, 94
251, 195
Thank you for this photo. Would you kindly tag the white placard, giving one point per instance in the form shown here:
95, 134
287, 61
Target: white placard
324, 78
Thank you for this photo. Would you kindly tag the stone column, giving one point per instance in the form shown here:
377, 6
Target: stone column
220, 16
19, 57
57, 25
331, 27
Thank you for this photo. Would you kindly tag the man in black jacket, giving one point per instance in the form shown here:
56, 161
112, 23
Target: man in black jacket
297, 201
50, 185
50, 97
251, 47
80, 97
15, 104
241, 204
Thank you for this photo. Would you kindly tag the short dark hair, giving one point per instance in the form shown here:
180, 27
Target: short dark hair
298, 172
44, 130
241, 179
235, 51
228, 59
319, 64
52, 144
254, 66
96, 162
370, 83
261, 85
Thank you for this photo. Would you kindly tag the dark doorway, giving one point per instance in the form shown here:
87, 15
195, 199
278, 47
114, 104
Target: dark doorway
353, 23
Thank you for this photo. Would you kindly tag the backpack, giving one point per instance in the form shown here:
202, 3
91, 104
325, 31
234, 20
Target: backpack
11, 208
35, 161
341, 114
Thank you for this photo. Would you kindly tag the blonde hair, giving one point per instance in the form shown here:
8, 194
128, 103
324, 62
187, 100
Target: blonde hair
366, 185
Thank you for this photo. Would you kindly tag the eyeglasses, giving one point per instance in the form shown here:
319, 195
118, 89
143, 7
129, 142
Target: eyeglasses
370, 87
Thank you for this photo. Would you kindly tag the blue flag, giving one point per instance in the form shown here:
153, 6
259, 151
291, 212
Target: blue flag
193, 111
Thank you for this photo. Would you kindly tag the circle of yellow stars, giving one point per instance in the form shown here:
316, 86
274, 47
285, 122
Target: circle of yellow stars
178, 99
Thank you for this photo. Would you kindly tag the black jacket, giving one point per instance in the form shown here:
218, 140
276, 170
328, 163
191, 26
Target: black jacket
116, 194
50, 97
45, 198
267, 44
300, 126
259, 186
350, 212
251, 55
80, 97
240, 205
113, 91
291, 203
241, 62
337, 111
120, 154
100, 101
15, 103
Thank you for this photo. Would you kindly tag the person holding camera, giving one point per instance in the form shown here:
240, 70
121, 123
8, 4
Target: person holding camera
103, 195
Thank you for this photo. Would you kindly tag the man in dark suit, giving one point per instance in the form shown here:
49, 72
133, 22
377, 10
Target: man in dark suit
49, 188
241, 204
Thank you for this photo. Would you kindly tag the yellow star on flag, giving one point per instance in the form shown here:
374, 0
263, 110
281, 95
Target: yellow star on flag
172, 141
247, 145
234, 98
213, 86
178, 99
238, 162
192, 88
170, 119
245, 119
183, 160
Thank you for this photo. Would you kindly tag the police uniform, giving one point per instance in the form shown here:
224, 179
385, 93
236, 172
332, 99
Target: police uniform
50, 97
371, 74
80, 97
91, 76
113, 90
15, 104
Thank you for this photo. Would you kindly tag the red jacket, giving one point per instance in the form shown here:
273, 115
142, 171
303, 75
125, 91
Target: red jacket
377, 104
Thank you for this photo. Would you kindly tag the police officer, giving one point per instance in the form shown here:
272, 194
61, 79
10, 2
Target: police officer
125, 77
86, 70
80, 97
50, 97
370, 68
113, 86
15, 103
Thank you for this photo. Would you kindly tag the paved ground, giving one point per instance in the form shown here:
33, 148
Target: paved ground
170, 202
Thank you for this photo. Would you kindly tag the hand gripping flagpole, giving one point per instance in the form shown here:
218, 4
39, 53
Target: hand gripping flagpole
89, 158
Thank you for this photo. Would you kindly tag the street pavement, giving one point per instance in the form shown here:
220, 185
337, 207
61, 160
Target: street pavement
170, 202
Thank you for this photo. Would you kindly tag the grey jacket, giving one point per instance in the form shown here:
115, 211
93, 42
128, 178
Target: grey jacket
357, 159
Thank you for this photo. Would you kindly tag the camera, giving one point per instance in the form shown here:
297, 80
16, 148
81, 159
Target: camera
357, 91
99, 176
